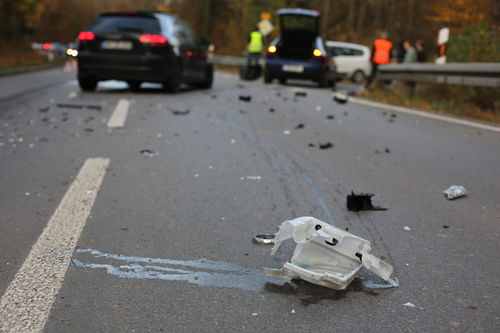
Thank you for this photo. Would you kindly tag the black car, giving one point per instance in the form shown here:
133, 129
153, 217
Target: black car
299, 52
142, 46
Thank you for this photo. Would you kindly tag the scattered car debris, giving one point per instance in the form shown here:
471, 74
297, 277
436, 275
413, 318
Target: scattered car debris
312, 145
245, 98
148, 153
299, 126
386, 150
252, 178
45, 109
445, 226
409, 305
88, 130
264, 239
327, 145
180, 112
243, 112
340, 98
362, 201
78, 106
286, 132
271, 110
300, 94
239, 85
393, 115
318, 108
326, 255
330, 117
407, 228
455, 191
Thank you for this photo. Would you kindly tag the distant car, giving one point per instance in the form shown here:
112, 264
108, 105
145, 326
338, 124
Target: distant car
352, 60
142, 46
299, 52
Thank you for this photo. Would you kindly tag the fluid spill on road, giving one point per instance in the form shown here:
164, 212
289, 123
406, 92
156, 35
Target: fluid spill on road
206, 273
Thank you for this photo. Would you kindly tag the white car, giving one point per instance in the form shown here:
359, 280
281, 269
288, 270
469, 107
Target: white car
352, 60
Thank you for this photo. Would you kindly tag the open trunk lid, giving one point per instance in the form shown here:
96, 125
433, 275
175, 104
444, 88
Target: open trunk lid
299, 30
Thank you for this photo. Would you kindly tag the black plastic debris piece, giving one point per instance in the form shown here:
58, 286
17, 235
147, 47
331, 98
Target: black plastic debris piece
299, 126
88, 130
327, 145
148, 153
384, 113
93, 107
361, 201
340, 98
330, 117
387, 150
180, 112
243, 111
245, 98
271, 110
446, 226
345, 113
72, 106
214, 96
312, 145
45, 109
239, 85
393, 115
300, 94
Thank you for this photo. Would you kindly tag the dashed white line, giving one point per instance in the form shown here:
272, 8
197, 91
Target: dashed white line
26, 304
119, 116
425, 114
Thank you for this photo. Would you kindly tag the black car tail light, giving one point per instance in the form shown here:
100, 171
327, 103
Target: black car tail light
153, 40
85, 36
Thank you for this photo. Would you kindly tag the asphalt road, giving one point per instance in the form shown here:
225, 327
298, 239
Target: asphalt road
183, 186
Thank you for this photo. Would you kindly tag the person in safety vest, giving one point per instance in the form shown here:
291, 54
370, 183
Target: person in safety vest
381, 54
254, 49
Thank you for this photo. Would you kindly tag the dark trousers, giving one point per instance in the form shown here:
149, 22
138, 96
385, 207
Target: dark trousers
373, 73
253, 59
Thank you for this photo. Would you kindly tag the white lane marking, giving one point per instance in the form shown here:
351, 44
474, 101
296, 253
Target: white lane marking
425, 114
119, 116
26, 304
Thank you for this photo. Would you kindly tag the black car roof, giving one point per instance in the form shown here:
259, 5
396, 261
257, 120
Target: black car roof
298, 11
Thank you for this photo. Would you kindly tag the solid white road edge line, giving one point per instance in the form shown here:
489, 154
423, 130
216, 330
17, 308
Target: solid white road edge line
27, 301
425, 114
117, 119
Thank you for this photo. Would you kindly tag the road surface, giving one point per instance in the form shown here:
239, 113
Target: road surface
137, 209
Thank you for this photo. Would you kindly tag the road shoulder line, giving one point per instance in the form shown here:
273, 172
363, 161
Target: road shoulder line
28, 299
425, 114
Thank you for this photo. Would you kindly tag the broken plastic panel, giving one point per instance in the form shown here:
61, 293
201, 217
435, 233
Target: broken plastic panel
326, 255
455, 191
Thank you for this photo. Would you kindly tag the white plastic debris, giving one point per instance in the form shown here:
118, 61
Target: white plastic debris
326, 255
455, 191
407, 228
409, 305
286, 132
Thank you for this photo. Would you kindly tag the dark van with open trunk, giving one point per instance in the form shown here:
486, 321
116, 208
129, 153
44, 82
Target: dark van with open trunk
299, 52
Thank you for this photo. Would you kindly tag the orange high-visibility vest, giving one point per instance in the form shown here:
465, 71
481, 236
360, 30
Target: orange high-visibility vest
382, 53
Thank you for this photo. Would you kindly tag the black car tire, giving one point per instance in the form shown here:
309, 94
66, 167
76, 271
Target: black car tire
134, 85
267, 77
209, 78
282, 81
87, 83
358, 77
173, 83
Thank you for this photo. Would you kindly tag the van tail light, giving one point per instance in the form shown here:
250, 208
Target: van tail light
272, 49
153, 40
318, 54
86, 35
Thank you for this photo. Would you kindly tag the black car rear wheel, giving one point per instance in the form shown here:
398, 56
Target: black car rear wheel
87, 83
173, 82
209, 78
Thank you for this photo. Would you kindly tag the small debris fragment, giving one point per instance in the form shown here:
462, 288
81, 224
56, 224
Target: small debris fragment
312, 145
330, 117
393, 115
340, 98
245, 98
124, 228
233, 141
362, 201
264, 239
286, 132
407, 228
300, 94
88, 129
271, 110
45, 109
293, 311
251, 178
318, 108
148, 153
255, 314
455, 191
409, 305
180, 112
243, 112
387, 151
327, 145
445, 226
299, 126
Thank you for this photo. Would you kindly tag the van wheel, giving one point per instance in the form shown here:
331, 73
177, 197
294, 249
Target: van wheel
134, 85
358, 77
87, 84
267, 77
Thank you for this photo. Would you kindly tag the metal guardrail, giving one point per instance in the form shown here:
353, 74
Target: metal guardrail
230, 61
469, 74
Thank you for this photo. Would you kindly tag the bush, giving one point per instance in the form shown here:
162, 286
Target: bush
474, 43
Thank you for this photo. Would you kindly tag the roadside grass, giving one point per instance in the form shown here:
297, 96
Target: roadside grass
21, 57
472, 102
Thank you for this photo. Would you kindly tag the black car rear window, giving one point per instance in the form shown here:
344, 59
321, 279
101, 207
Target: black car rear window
126, 23
299, 22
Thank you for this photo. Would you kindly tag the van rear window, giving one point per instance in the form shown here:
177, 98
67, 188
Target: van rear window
125, 23
299, 22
